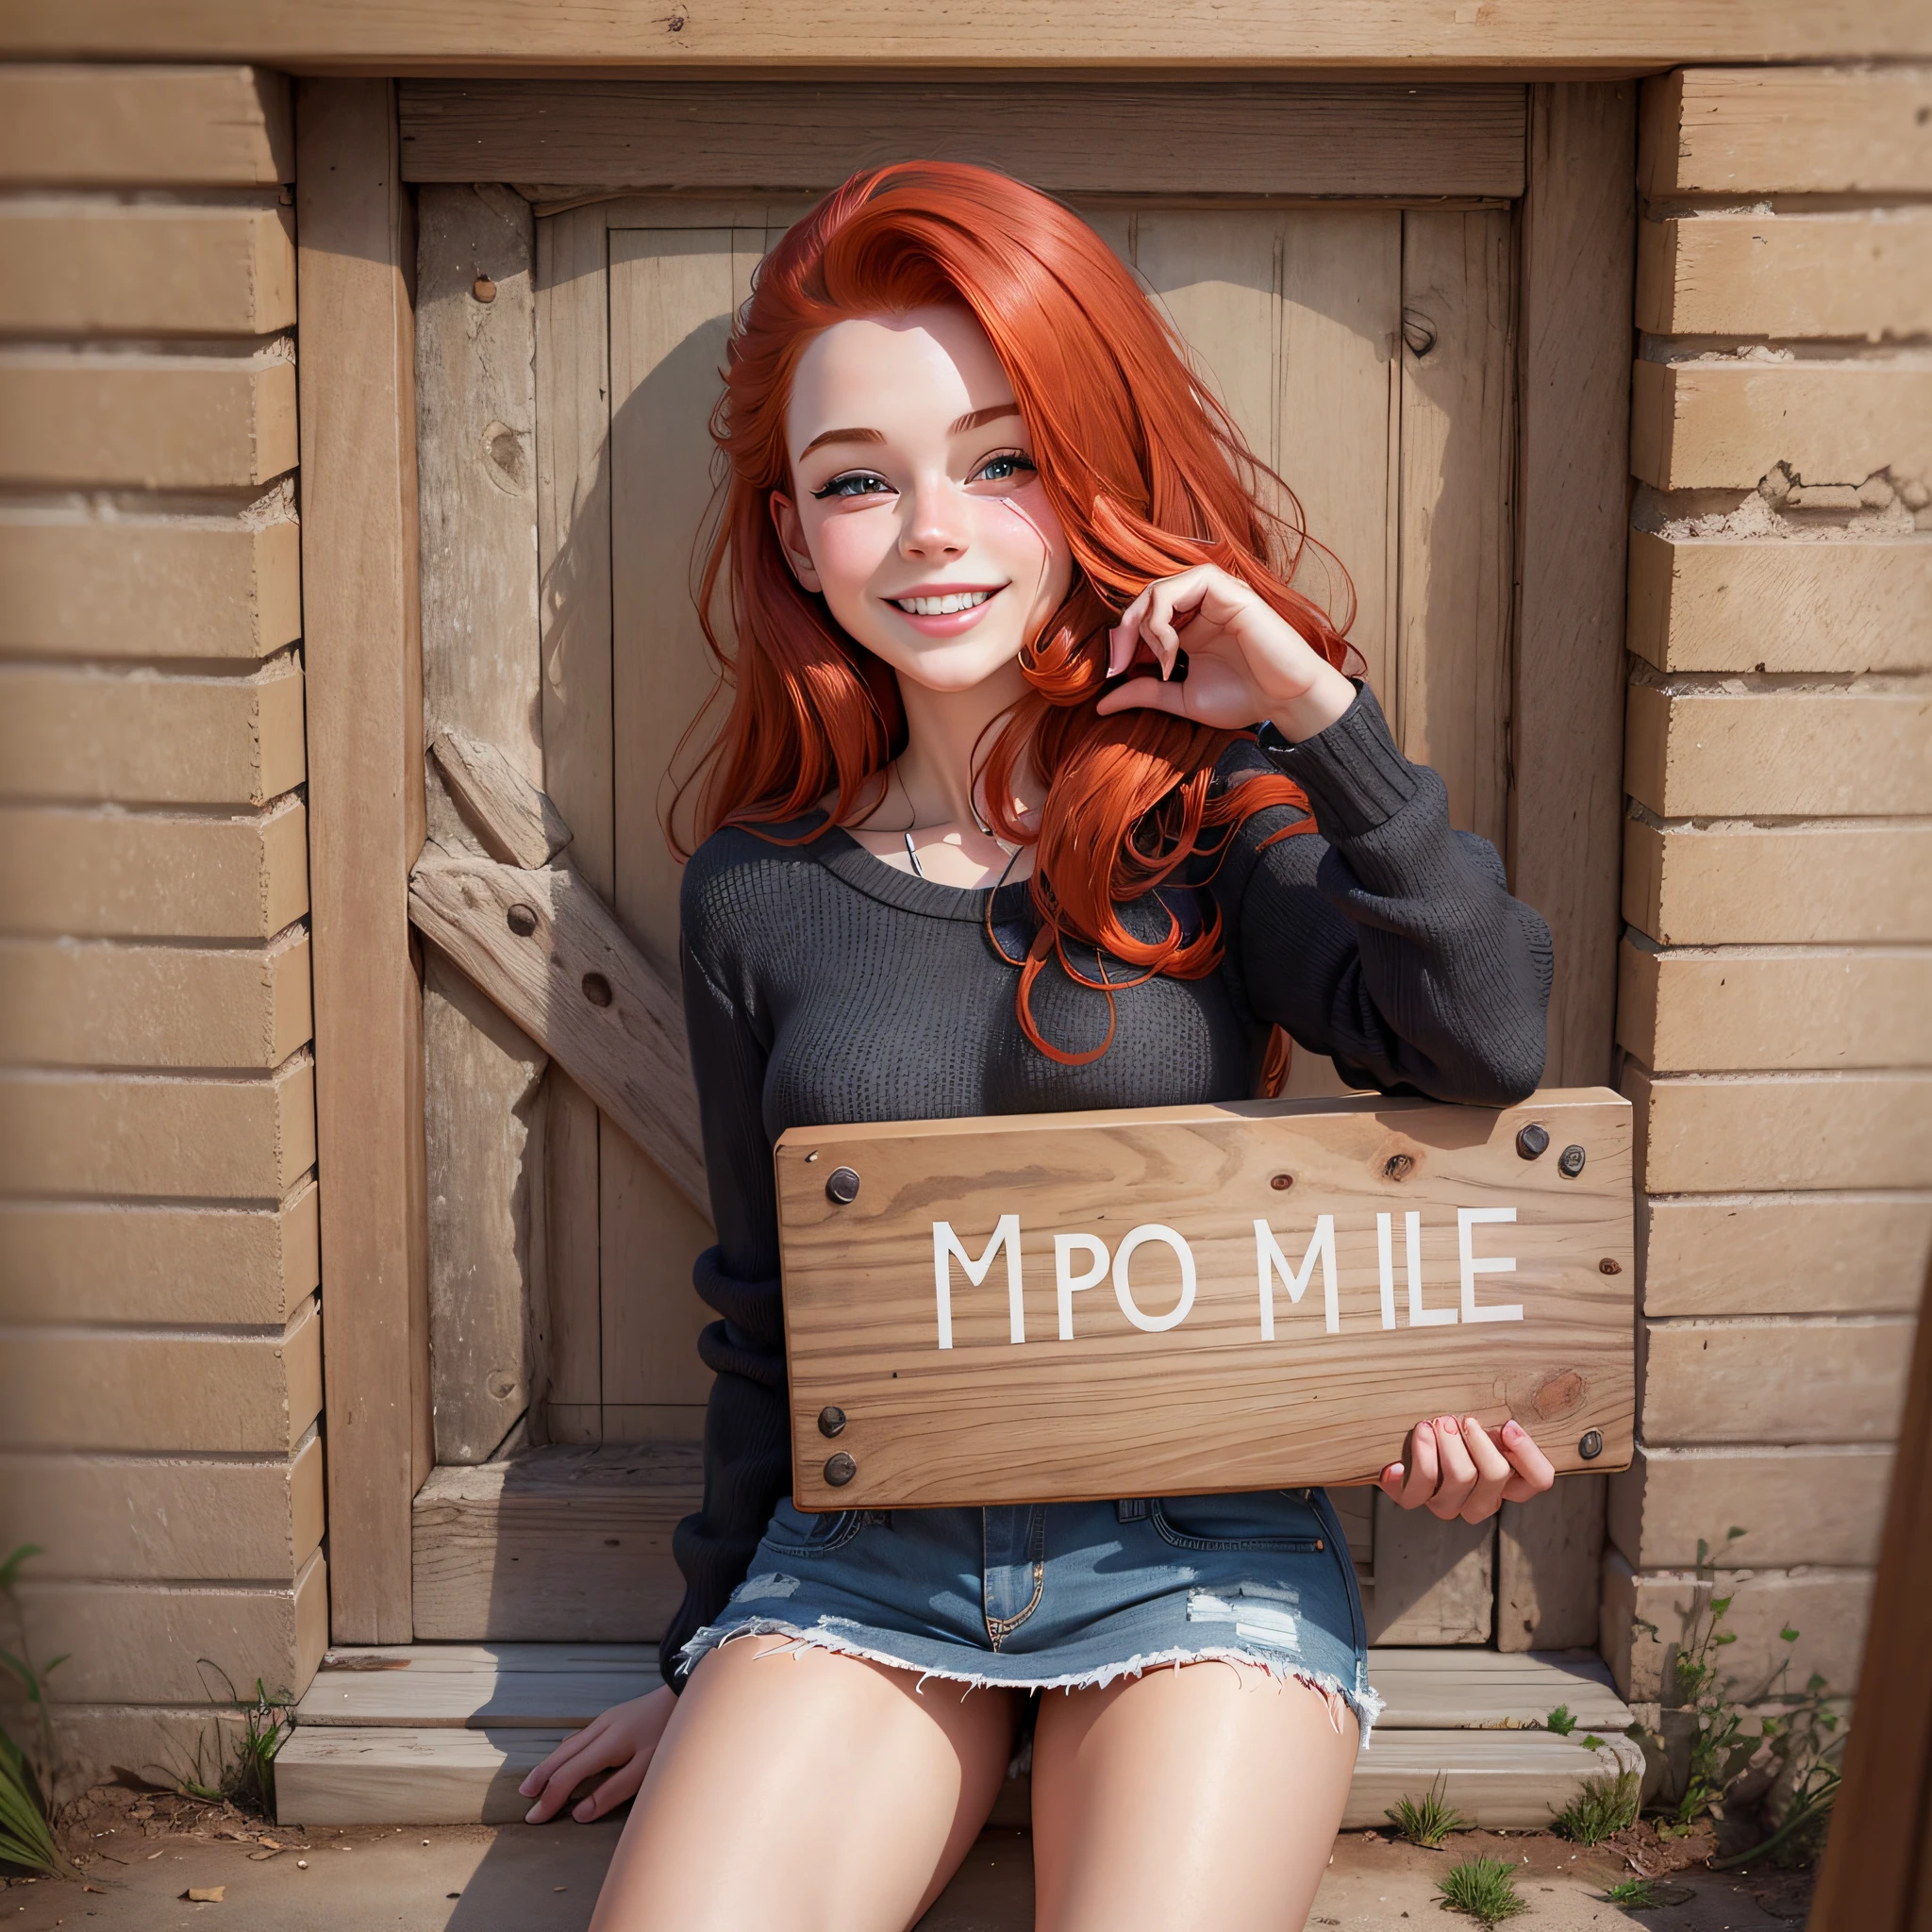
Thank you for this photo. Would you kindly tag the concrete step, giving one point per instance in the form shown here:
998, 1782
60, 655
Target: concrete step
442, 1734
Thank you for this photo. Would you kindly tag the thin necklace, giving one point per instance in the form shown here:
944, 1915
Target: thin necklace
907, 830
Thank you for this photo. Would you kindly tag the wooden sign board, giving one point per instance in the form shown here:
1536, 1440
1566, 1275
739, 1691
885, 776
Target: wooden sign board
1177, 1300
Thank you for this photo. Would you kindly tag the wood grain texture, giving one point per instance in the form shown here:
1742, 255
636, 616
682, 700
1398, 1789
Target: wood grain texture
1106, 136
1864, 273
1120, 1410
148, 587
1549, 1551
94, 124
1739, 603
96, 1003
142, 1517
201, 1267
512, 819
1744, 884
483, 1126
1506, 1778
1715, 1133
1435, 1582
570, 1544
1829, 1378
145, 422
179, 1136
1792, 131
1565, 801
577, 987
1726, 425
102, 1393
84, 266
1818, 1503
1869, 1876
573, 379
1846, 753
1405, 36
1809, 1254
1740, 1009
85, 734
1458, 431
362, 650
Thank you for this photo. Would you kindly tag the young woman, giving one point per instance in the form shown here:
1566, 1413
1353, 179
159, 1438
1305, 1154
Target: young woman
1041, 787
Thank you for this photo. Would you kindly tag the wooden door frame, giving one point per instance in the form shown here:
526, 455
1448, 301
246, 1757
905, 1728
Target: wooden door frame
364, 693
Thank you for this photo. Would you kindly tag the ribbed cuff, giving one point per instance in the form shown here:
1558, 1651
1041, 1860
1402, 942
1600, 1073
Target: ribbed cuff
1354, 778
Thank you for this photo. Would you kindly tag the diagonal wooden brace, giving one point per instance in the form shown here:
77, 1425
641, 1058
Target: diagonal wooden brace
545, 947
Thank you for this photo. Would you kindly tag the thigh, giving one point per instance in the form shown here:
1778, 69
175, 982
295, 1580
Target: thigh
799, 1788
1204, 1797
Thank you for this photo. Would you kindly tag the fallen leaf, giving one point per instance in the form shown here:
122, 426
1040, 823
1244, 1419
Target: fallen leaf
206, 1894
101, 1889
257, 1857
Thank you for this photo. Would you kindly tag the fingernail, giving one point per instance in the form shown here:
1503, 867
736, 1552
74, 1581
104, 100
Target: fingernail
583, 1811
531, 1816
1471, 1424
1394, 1469
1512, 1430
1449, 1423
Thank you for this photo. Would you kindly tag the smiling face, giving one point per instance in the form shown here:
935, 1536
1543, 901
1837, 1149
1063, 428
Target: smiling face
917, 512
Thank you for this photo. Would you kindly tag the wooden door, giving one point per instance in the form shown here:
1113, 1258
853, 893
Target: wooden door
1367, 354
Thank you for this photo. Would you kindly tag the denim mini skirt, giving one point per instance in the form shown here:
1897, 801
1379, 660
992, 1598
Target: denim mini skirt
1066, 1596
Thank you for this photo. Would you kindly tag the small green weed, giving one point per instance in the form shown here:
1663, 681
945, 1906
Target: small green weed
26, 1838
247, 1782
1640, 1894
1601, 1808
1481, 1889
1426, 1822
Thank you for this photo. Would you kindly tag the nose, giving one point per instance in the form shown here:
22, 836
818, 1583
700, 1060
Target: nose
935, 526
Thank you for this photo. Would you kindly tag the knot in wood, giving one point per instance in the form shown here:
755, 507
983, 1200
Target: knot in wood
1398, 1167
521, 920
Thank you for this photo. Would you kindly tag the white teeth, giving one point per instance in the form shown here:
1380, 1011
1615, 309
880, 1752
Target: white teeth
942, 606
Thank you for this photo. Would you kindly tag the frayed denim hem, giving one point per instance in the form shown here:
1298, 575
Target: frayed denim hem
1361, 1698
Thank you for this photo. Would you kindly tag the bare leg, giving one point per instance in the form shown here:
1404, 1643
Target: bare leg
807, 1793
1206, 1796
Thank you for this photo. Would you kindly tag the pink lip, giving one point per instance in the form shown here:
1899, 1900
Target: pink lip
954, 623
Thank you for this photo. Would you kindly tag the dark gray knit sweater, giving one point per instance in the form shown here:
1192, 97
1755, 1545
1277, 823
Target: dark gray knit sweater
823, 985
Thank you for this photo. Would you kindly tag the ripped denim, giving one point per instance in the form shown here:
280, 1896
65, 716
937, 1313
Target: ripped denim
1061, 1596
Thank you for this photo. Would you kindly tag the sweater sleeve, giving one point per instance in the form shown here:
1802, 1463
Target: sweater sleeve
1385, 937
747, 1451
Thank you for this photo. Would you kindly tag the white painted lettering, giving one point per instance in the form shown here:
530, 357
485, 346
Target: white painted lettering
946, 1247
1154, 1325
1467, 1220
1269, 1261
1066, 1283
1420, 1317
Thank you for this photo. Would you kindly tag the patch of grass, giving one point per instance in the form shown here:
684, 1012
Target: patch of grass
247, 1781
1603, 1807
26, 1837
1640, 1894
1483, 1889
1426, 1822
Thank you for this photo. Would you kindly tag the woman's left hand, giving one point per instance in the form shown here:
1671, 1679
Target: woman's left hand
1245, 662
1458, 1469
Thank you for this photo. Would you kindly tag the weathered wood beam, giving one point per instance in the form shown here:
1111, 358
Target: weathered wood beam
515, 821
546, 948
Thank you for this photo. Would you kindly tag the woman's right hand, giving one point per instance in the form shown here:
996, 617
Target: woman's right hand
624, 1741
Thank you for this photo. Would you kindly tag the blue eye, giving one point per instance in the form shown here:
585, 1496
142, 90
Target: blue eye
855, 483
1005, 467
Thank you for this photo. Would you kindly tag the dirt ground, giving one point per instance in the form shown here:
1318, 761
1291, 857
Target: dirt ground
138, 1856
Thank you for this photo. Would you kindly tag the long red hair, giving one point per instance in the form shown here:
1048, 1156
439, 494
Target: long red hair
1148, 476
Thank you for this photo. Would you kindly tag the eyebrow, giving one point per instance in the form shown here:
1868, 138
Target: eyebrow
972, 419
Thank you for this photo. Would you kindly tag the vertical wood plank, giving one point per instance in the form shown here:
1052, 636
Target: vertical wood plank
363, 653
1435, 1581
673, 291
1566, 804
1458, 436
476, 413
573, 379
